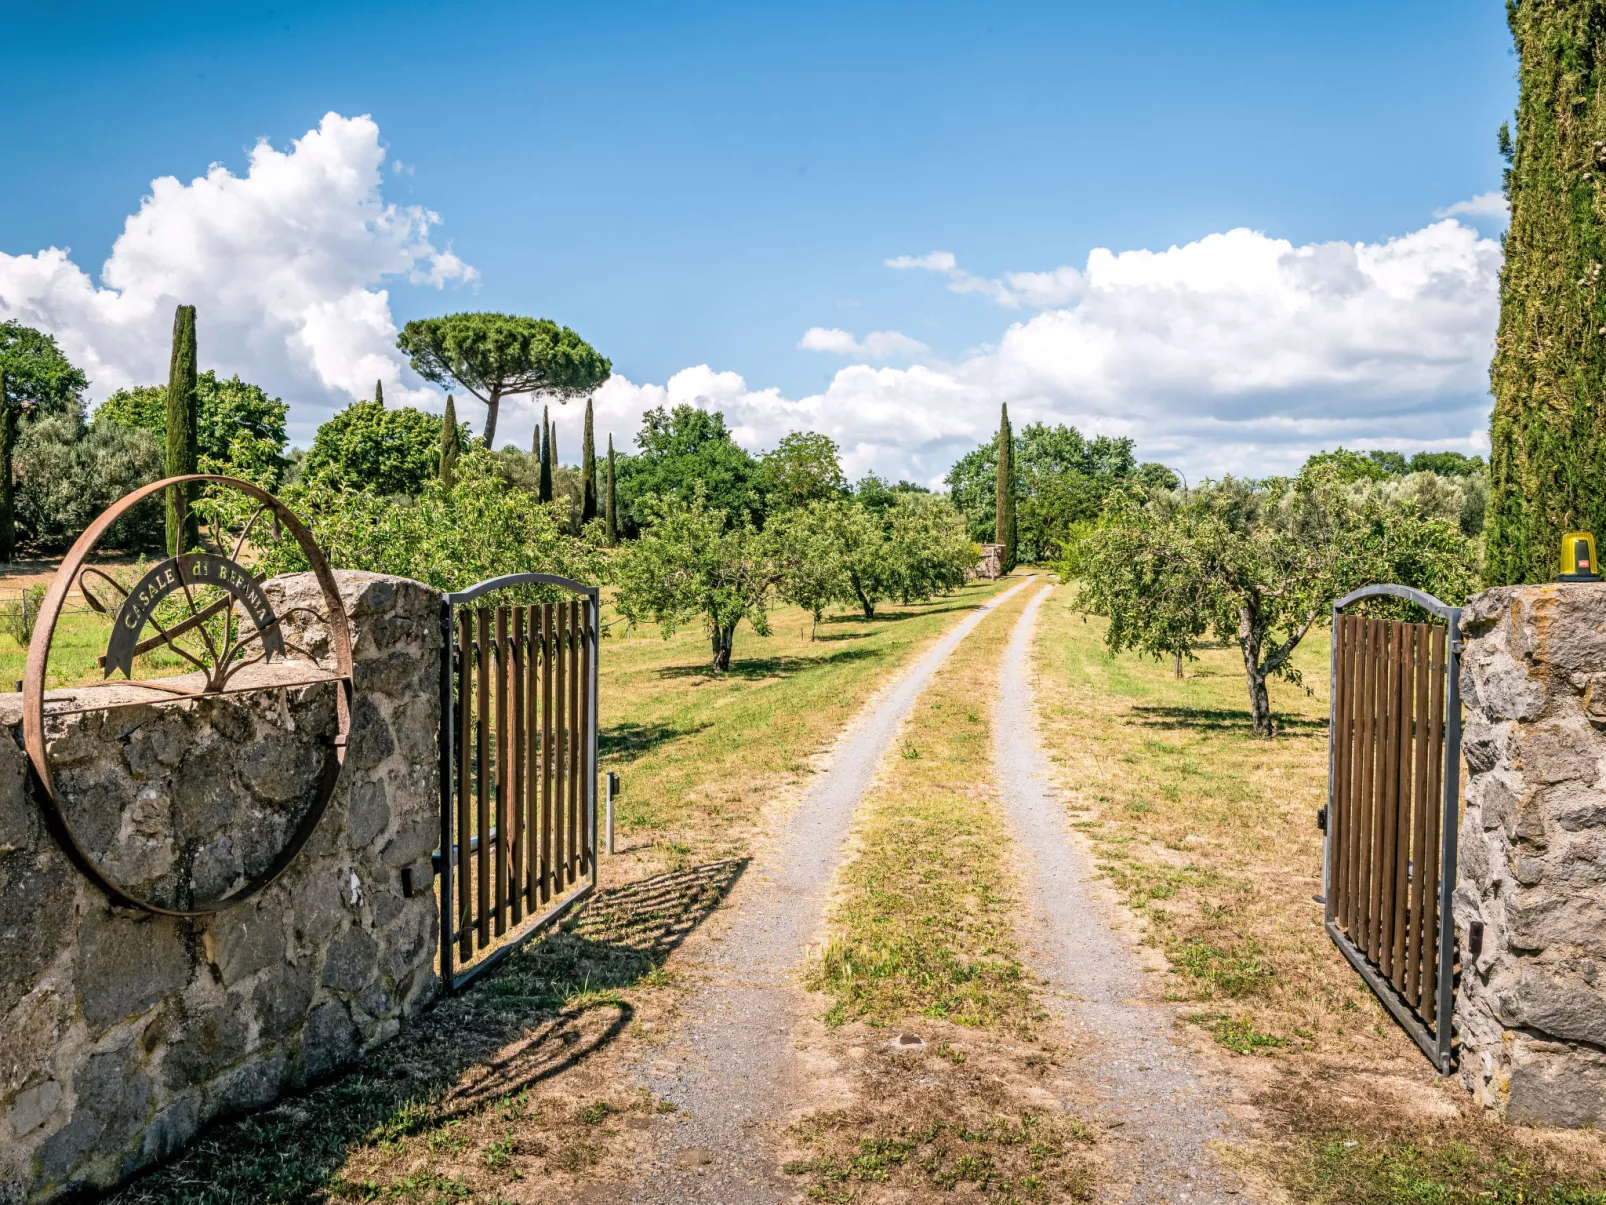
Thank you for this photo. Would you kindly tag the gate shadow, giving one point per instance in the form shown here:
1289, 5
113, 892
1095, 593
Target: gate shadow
546, 1009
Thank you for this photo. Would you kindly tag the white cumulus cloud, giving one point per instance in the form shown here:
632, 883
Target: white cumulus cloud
1484, 205
1012, 290
932, 261
877, 345
1236, 353
284, 264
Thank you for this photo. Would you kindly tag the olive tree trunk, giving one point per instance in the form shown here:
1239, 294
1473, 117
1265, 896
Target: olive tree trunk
1252, 639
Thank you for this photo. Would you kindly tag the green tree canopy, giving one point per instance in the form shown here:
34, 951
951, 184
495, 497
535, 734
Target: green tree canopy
1258, 565
240, 429
369, 447
803, 468
68, 473
838, 550
877, 495
494, 355
693, 561
449, 537
1062, 479
40, 380
682, 451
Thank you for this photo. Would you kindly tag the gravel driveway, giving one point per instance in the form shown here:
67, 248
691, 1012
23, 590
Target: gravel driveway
1160, 1115
728, 1069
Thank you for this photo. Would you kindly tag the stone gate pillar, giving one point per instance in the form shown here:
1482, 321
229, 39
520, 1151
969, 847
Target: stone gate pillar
1530, 903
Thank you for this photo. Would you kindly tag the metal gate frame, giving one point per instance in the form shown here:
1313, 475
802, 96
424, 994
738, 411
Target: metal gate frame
445, 866
1435, 1042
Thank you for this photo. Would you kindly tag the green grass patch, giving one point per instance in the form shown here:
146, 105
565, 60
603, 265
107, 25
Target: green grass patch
1477, 1166
925, 923
1237, 1034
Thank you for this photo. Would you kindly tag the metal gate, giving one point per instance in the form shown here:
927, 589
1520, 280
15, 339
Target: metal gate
518, 771
1393, 790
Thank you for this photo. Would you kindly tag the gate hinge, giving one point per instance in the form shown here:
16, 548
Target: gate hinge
1321, 819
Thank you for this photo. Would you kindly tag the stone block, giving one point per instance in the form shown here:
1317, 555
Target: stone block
329, 1040
36, 901
281, 1001
170, 1129
371, 741
127, 963
350, 962
1558, 1002
248, 1087
367, 813
413, 842
33, 1107
1556, 1085
1559, 751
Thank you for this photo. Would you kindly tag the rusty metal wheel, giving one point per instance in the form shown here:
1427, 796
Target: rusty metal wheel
190, 601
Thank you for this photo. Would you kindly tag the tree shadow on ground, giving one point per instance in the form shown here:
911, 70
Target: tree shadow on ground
1221, 719
547, 1008
624, 743
754, 668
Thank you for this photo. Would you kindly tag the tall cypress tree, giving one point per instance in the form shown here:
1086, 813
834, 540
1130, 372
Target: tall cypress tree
545, 487
1547, 437
448, 460
1004, 508
379, 394
183, 450
588, 471
8, 491
612, 501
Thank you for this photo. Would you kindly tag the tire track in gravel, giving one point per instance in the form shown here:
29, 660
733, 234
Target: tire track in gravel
1162, 1117
729, 1069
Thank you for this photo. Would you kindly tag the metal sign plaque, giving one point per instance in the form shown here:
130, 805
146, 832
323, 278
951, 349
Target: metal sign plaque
181, 573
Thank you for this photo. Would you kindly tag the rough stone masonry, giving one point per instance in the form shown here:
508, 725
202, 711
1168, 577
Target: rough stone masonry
1531, 1008
121, 1032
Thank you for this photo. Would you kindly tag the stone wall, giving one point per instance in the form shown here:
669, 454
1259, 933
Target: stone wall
1531, 1009
121, 1033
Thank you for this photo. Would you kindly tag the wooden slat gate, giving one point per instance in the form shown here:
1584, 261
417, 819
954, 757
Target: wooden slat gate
518, 770
1393, 789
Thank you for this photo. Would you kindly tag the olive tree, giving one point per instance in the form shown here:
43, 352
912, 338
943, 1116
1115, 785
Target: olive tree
1258, 565
694, 561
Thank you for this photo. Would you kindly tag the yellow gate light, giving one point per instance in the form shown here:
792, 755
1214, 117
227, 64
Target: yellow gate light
1578, 563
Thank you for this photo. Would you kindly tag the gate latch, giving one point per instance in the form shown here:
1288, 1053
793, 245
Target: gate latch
1321, 819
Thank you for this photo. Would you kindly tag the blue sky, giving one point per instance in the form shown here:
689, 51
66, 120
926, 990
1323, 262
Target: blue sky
694, 185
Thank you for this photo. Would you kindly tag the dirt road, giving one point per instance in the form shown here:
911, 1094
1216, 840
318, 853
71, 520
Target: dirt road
1162, 1116
728, 1068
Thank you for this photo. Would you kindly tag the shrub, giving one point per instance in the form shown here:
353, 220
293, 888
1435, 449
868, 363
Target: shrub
68, 473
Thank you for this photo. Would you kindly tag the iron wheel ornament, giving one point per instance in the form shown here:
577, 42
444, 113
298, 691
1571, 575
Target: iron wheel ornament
225, 585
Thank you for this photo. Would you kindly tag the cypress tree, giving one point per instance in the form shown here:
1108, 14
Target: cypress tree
545, 489
448, 461
1547, 437
1004, 507
8, 489
183, 451
612, 502
588, 471
379, 394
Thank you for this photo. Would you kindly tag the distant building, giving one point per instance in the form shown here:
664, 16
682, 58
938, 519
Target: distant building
991, 566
